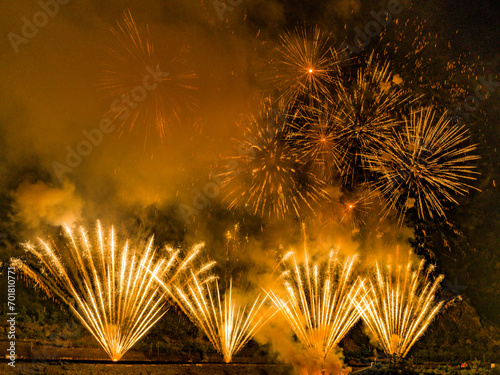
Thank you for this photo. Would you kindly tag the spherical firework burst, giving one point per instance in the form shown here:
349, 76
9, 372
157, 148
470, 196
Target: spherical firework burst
398, 305
108, 285
227, 324
318, 301
269, 179
317, 139
304, 64
146, 91
355, 207
366, 110
423, 165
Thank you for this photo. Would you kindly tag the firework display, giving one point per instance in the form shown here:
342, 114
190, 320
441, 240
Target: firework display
108, 285
398, 304
291, 130
356, 135
318, 303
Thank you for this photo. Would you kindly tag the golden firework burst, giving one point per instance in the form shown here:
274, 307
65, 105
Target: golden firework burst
423, 166
271, 180
304, 64
147, 91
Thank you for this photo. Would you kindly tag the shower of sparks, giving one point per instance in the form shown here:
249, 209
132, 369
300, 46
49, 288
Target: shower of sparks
227, 324
318, 302
146, 91
398, 305
304, 64
423, 165
427, 61
367, 113
236, 247
271, 181
110, 287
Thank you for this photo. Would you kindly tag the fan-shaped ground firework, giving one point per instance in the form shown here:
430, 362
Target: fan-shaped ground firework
108, 285
304, 64
399, 305
228, 324
423, 165
318, 301
146, 91
270, 179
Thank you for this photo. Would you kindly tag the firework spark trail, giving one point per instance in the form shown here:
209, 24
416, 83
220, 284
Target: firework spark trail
106, 286
305, 64
318, 302
272, 181
227, 324
398, 306
133, 57
423, 165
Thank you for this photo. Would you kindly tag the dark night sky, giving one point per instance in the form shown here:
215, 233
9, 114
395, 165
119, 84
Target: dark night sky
478, 22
